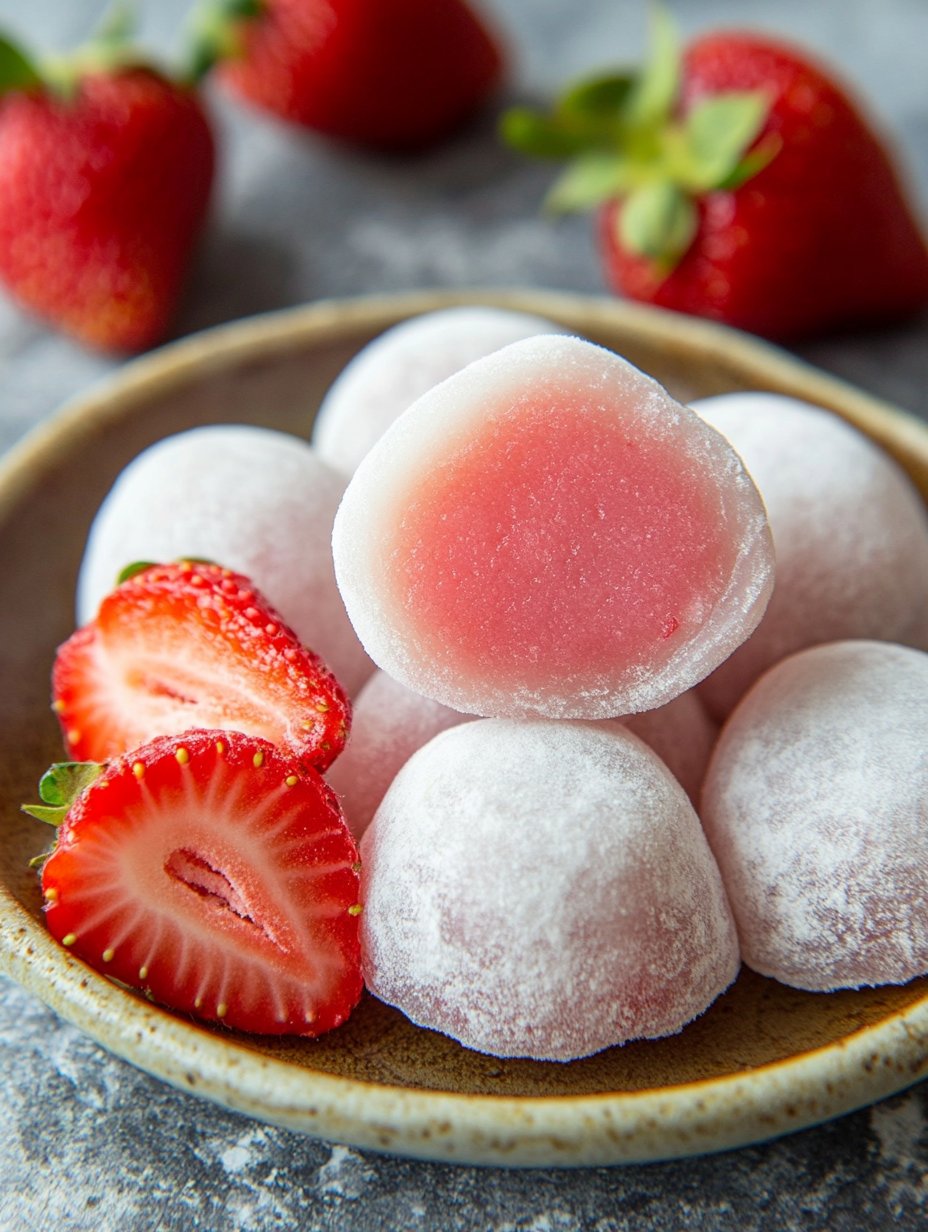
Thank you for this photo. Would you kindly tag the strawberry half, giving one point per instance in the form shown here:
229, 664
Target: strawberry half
215, 874
191, 644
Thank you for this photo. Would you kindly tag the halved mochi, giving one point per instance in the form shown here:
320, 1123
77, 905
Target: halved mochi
548, 533
542, 889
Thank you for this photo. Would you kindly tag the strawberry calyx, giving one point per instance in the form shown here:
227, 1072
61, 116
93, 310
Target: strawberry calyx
18, 72
110, 49
625, 139
59, 787
216, 33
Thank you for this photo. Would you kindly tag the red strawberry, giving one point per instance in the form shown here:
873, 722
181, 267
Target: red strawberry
390, 74
191, 644
743, 185
214, 873
105, 176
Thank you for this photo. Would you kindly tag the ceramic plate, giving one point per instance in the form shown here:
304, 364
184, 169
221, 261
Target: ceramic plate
764, 1060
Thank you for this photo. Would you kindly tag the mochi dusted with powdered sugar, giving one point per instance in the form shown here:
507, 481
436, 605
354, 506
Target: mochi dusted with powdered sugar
548, 533
816, 806
401, 364
254, 500
542, 889
849, 528
389, 722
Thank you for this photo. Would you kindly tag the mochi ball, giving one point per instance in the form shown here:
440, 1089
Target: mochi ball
254, 500
849, 529
816, 806
400, 365
542, 889
389, 722
548, 533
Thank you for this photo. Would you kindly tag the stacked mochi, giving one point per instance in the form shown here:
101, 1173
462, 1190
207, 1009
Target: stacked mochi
540, 543
548, 584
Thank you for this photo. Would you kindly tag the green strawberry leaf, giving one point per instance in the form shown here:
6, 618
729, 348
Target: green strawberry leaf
604, 96
657, 86
754, 161
717, 133
59, 787
540, 136
658, 221
590, 180
129, 571
214, 34
17, 71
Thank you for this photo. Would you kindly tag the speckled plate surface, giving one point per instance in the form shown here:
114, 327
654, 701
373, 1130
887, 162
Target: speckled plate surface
763, 1061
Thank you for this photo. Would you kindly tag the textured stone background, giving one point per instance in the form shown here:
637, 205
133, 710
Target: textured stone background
86, 1142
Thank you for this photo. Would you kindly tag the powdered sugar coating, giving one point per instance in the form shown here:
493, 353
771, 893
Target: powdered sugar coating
535, 501
682, 734
850, 532
403, 363
256, 501
542, 889
389, 722
815, 806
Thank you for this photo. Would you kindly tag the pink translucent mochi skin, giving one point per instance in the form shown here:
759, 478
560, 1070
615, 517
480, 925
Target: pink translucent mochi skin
549, 533
403, 363
815, 806
850, 532
389, 722
542, 889
256, 501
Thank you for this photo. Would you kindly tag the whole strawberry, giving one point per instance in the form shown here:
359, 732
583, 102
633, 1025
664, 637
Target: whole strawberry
105, 175
388, 74
739, 182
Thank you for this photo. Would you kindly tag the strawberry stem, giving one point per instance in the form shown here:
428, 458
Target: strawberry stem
216, 28
110, 49
625, 139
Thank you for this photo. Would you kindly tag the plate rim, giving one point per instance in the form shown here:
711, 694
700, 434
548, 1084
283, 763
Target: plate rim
599, 1128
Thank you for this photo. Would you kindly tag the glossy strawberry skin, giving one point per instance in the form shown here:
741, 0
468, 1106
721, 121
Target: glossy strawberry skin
822, 238
218, 876
389, 74
190, 644
102, 198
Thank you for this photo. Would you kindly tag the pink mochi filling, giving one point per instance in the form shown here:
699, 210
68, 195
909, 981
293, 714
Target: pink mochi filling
554, 537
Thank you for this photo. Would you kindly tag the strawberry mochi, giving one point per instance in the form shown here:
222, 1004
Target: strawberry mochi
548, 533
850, 532
257, 501
542, 889
400, 365
829, 887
